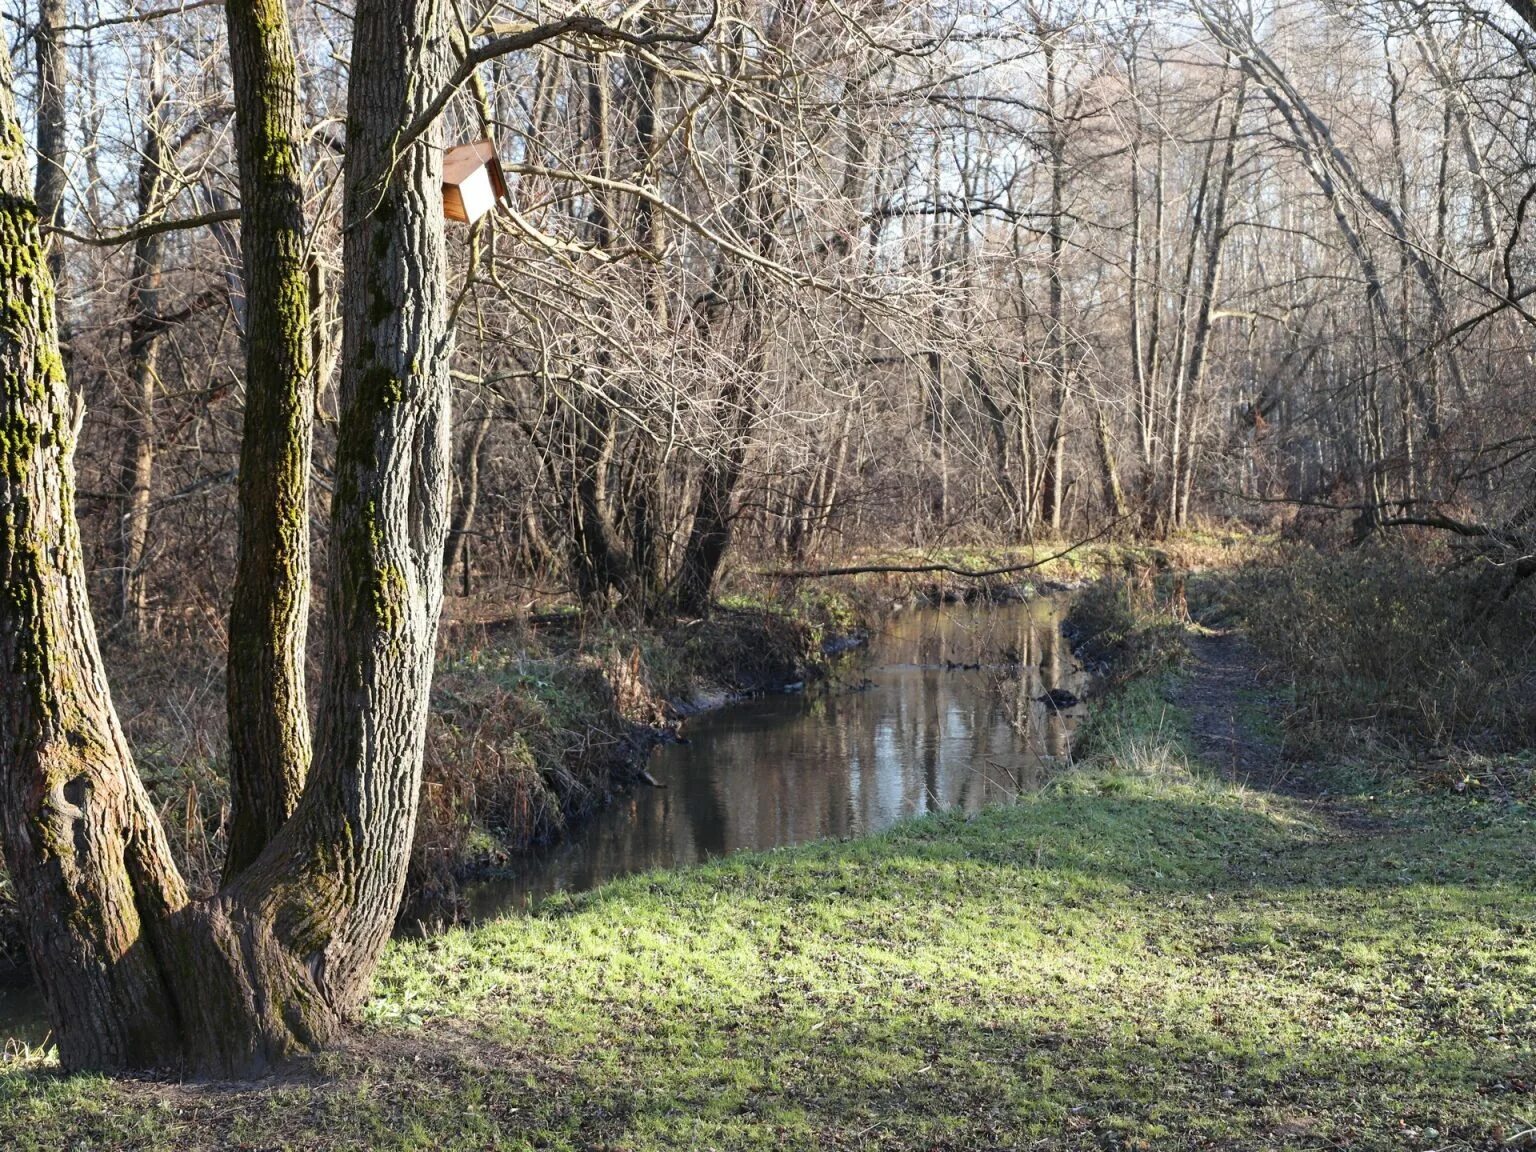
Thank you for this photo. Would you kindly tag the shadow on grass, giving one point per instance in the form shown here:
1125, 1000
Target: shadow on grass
1121, 962
1129, 1065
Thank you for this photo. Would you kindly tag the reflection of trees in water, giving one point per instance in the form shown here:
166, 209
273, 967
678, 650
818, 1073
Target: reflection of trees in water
788, 770
706, 811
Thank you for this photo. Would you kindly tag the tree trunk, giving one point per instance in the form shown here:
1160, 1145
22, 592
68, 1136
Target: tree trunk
135, 977
709, 534
90, 865
1054, 484
144, 331
599, 559
456, 551
646, 498
320, 900
1215, 240
1109, 473
52, 127
269, 740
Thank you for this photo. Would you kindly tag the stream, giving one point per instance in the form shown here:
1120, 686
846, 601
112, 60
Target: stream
939, 712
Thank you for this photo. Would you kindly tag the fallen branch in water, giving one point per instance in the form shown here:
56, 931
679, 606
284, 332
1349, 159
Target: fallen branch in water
919, 569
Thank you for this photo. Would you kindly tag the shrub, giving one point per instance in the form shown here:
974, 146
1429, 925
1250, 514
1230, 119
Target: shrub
1380, 636
1129, 625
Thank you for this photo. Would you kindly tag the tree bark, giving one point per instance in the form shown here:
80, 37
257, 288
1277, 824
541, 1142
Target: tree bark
268, 713
600, 561
1215, 240
1053, 485
456, 551
134, 976
325, 890
90, 865
52, 127
1109, 472
710, 528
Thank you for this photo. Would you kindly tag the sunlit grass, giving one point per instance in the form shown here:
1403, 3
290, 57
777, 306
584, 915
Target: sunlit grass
1139, 957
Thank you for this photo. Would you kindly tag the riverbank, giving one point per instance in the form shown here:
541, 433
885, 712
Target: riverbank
1166, 948
541, 717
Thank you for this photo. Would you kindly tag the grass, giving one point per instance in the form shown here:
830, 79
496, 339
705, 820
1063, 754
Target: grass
1141, 956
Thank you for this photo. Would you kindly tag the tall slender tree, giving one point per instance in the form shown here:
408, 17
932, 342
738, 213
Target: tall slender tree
269, 739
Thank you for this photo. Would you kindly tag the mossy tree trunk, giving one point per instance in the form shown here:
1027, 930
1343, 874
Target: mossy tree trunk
268, 713
134, 975
90, 865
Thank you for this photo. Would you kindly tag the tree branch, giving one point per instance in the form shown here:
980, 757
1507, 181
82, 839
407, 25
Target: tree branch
523, 37
921, 569
141, 231
143, 17
1526, 10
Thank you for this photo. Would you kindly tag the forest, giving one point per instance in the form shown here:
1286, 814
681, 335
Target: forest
767, 573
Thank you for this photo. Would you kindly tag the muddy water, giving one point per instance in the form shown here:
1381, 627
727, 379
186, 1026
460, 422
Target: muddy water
913, 725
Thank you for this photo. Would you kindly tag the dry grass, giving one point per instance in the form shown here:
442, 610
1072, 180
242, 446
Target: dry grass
1385, 644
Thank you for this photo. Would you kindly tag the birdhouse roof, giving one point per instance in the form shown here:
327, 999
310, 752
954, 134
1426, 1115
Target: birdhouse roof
464, 160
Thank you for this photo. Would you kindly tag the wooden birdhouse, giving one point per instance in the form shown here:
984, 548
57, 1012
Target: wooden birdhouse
473, 182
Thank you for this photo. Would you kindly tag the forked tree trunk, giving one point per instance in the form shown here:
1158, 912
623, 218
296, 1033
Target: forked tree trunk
133, 975
755, 214
269, 742
646, 497
599, 559
709, 535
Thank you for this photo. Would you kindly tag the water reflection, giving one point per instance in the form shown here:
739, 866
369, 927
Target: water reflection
940, 714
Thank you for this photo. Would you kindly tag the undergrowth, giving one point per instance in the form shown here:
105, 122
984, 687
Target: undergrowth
1126, 627
533, 730
1383, 644
12, 954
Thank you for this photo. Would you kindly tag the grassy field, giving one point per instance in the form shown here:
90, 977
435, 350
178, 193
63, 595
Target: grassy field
1140, 957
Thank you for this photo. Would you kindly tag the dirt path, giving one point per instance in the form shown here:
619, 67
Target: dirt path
1234, 718
1235, 724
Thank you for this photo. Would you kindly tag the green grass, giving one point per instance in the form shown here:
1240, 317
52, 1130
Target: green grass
1139, 957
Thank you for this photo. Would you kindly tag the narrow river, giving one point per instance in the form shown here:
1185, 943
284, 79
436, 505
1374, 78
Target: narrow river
941, 712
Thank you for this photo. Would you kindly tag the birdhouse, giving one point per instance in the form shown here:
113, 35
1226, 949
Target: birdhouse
473, 182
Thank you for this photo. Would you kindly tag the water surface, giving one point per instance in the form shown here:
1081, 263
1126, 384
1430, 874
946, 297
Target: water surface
940, 713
